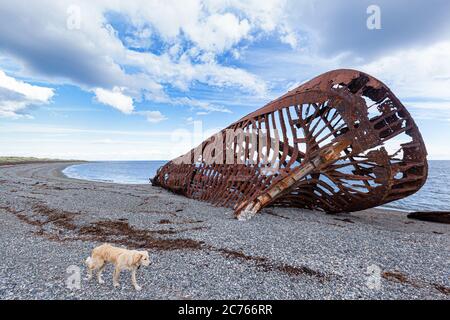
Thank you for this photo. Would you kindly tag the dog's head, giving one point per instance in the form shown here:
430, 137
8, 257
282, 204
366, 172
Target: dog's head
141, 258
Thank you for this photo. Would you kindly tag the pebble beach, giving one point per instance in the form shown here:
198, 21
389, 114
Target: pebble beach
50, 223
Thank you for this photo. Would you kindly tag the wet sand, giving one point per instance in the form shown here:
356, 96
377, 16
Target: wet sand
50, 222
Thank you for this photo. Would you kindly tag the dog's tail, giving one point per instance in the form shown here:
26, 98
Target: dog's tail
89, 262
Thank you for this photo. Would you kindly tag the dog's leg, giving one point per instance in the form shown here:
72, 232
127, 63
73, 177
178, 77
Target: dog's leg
89, 273
133, 280
99, 273
90, 266
116, 275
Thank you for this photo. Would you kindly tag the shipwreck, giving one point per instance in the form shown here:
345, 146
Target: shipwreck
341, 142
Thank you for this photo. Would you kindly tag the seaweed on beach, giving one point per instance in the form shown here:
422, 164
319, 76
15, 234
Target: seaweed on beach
400, 277
268, 265
120, 232
445, 290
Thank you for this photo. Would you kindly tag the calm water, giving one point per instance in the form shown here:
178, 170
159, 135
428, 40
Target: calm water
434, 195
128, 172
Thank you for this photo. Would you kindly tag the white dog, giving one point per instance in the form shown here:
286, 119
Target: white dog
121, 258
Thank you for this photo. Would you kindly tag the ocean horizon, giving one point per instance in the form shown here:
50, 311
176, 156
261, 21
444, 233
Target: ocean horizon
433, 196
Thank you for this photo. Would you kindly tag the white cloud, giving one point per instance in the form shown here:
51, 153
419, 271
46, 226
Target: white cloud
34, 93
118, 100
264, 15
419, 72
182, 73
94, 56
290, 39
213, 25
202, 105
334, 27
218, 32
153, 116
141, 39
16, 96
194, 104
115, 98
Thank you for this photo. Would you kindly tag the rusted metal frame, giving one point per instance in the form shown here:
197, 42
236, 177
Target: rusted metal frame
241, 183
317, 113
312, 198
285, 137
329, 154
320, 114
294, 155
356, 166
230, 171
252, 196
380, 169
328, 135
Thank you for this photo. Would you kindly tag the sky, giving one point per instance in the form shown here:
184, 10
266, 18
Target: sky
148, 80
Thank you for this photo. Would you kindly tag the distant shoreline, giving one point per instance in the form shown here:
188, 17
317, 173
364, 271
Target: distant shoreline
7, 161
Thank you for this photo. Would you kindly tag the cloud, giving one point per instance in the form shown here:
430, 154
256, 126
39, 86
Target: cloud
206, 107
151, 49
115, 98
416, 73
33, 93
16, 96
218, 32
140, 39
212, 25
96, 55
55, 53
334, 27
182, 73
153, 116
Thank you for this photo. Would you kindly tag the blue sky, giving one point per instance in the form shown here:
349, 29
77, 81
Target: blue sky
110, 80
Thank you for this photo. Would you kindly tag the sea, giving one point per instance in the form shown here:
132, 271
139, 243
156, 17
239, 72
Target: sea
434, 195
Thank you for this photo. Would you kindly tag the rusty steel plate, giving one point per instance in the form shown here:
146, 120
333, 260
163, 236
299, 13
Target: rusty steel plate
340, 142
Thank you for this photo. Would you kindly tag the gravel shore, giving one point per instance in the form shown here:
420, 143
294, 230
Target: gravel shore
50, 222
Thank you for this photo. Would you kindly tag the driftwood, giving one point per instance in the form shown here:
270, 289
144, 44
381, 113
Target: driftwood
432, 216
